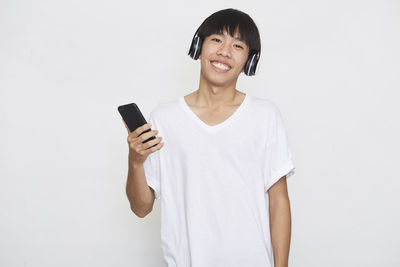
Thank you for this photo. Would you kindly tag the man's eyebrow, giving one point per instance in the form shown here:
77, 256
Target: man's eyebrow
236, 38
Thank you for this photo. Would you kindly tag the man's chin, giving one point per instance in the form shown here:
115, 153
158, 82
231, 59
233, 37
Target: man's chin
220, 80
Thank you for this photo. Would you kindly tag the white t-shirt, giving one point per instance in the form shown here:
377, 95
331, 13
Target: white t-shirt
213, 180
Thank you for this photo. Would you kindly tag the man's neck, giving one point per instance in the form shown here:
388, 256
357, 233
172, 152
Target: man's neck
213, 95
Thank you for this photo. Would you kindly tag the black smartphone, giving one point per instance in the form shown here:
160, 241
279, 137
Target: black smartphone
133, 118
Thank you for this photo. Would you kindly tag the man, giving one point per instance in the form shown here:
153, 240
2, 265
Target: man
224, 152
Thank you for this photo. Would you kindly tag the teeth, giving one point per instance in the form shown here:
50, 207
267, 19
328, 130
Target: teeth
220, 66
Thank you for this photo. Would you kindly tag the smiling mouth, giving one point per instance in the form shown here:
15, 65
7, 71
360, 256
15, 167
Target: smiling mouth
220, 66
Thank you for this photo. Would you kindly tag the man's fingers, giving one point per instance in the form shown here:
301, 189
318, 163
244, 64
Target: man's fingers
141, 129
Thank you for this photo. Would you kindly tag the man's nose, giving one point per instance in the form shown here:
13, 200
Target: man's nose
225, 50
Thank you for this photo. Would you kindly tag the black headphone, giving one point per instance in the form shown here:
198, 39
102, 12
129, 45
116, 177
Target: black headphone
251, 63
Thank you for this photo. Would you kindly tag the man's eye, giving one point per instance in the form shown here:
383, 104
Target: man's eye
216, 39
239, 46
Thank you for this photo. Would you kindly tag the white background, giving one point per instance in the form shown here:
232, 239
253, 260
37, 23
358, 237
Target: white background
332, 67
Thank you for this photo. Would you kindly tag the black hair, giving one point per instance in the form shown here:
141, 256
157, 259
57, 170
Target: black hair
230, 19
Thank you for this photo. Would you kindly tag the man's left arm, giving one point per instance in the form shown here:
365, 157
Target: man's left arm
280, 222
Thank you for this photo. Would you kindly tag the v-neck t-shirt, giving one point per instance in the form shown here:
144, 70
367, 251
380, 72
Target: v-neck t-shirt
213, 182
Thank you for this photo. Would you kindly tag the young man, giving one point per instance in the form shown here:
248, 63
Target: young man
224, 152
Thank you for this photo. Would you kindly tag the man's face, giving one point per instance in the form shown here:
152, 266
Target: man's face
223, 57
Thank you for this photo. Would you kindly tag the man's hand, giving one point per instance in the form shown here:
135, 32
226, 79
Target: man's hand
138, 151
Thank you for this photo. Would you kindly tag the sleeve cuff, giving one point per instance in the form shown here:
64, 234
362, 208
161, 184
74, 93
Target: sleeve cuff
155, 188
288, 169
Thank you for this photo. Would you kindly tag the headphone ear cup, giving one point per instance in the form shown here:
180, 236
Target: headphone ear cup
198, 48
195, 47
251, 63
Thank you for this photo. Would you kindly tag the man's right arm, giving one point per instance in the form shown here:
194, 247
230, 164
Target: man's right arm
141, 197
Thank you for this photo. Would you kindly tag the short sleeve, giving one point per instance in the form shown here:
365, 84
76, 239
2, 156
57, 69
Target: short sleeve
278, 159
152, 166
